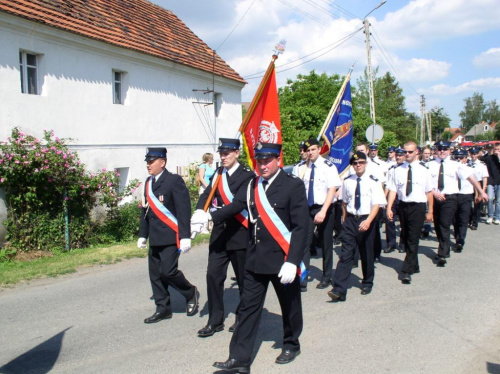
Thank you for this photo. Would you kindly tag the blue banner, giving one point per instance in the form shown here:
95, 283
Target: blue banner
338, 133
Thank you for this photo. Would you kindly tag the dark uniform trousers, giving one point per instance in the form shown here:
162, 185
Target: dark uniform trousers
163, 272
390, 226
476, 212
412, 218
462, 216
444, 211
377, 245
218, 261
325, 235
254, 294
353, 239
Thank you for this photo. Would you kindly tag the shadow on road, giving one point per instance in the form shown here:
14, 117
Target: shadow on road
39, 359
492, 368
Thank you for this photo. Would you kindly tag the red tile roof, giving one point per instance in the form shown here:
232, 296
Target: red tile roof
134, 24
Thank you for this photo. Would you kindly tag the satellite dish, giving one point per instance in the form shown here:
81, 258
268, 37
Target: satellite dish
374, 133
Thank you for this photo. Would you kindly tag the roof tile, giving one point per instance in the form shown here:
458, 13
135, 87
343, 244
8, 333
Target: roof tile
134, 24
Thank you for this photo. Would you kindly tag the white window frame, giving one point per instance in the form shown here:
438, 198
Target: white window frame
118, 91
217, 100
27, 71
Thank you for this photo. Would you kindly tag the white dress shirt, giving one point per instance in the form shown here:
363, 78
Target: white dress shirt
452, 172
420, 186
371, 194
326, 176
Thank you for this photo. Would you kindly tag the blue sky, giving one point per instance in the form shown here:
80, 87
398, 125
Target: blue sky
443, 49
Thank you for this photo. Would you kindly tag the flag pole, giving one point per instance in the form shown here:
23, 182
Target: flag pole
335, 103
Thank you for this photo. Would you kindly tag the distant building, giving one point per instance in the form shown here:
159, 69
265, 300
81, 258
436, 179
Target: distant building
479, 129
456, 134
116, 76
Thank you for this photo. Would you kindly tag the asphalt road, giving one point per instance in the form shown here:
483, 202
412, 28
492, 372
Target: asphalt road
446, 321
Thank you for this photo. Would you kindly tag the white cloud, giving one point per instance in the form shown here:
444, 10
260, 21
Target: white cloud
472, 86
488, 59
422, 21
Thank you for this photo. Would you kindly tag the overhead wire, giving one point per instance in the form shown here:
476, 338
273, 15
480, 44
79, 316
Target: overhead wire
235, 26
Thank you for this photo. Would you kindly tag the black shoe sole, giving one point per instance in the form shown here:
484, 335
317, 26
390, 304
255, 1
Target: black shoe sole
158, 320
336, 297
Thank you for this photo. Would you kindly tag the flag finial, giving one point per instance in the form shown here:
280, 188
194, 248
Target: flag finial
280, 47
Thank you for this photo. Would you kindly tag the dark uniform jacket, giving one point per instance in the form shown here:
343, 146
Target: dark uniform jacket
493, 164
287, 196
176, 200
228, 234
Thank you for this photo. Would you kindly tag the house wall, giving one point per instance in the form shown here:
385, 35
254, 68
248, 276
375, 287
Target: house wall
76, 99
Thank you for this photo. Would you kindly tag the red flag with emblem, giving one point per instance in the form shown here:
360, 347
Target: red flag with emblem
262, 120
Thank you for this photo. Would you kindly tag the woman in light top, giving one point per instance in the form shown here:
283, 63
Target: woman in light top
205, 171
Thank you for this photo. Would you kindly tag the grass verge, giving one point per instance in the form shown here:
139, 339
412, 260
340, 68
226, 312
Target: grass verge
12, 272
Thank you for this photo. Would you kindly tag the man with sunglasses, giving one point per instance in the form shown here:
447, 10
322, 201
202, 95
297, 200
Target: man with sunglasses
412, 185
362, 197
445, 175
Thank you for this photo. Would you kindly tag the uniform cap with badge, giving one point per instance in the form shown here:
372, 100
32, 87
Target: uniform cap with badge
357, 156
373, 147
265, 150
228, 144
154, 153
310, 142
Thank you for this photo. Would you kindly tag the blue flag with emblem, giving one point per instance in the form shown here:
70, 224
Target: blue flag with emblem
338, 128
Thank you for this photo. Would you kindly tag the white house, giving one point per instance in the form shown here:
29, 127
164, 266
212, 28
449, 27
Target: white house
116, 76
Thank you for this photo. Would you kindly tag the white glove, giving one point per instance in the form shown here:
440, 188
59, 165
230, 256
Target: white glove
141, 243
287, 273
185, 245
196, 227
200, 217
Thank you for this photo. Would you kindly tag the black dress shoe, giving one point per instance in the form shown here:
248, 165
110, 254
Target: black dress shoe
233, 327
209, 330
287, 356
366, 290
459, 248
473, 227
441, 262
389, 250
233, 366
322, 285
192, 304
406, 278
336, 296
157, 317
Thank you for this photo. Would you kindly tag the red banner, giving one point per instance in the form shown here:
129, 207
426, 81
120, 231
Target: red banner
262, 121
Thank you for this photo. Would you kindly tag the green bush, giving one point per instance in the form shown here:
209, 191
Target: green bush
43, 180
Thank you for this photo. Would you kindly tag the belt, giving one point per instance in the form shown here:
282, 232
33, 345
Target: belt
409, 202
364, 216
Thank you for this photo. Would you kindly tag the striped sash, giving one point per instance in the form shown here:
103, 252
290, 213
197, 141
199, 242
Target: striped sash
228, 197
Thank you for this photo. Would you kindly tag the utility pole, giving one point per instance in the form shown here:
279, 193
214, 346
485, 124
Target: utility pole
366, 23
423, 120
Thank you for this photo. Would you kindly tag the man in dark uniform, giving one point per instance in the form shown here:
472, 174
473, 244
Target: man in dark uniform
362, 196
277, 237
165, 221
229, 237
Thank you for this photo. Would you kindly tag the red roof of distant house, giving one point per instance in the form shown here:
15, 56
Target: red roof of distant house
134, 24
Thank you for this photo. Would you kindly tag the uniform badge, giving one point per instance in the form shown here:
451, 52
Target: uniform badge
160, 198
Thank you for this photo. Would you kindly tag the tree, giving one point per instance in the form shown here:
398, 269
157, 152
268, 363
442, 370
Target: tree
492, 112
439, 121
304, 105
473, 111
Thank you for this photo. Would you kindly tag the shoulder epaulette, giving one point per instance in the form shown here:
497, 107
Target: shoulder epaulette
375, 162
424, 165
291, 175
301, 162
329, 162
394, 166
374, 178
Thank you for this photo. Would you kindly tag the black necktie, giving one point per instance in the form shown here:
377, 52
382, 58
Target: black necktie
441, 177
153, 180
459, 184
409, 181
264, 184
310, 192
357, 195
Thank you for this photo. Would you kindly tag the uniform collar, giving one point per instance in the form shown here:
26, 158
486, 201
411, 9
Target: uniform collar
233, 169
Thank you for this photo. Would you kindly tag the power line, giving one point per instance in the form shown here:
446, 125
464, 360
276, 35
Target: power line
237, 24
328, 48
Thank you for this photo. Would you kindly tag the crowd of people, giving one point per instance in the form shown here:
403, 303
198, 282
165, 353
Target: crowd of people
268, 223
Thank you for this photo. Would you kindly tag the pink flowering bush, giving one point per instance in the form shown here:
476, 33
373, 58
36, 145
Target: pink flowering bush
43, 177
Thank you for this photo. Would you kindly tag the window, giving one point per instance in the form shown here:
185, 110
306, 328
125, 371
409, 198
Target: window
28, 66
117, 87
217, 103
123, 178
